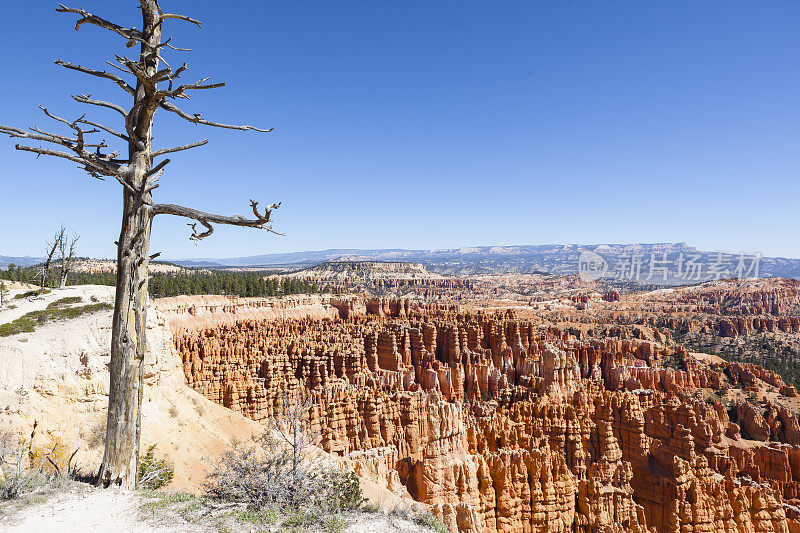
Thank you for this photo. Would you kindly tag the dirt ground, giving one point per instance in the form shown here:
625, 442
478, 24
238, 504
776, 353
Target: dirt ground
85, 509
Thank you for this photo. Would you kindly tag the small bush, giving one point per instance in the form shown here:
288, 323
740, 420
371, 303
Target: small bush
297, 519
154, 472
370, 508
61, 302
336, 491
257, 476
198, 406
261, 476
28, 294
16, 485
263, 517
54, 456
28, 469
431, 522
97, 435
334, 524
94, 299
173, 412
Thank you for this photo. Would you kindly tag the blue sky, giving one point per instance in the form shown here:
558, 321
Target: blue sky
437, 124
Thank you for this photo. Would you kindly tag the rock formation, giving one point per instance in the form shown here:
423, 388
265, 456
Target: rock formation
509, 424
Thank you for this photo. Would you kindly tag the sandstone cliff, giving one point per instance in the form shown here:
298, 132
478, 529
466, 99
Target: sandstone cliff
505, 424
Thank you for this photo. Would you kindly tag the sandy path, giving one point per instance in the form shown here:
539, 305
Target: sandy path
86, 510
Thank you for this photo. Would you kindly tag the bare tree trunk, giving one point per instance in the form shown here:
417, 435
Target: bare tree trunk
51, 250
67, 251
123, 430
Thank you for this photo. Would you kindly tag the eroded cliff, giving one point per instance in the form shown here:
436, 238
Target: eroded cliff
505, 424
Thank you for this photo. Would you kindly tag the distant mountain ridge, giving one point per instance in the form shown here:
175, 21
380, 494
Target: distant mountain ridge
403, 255
25, 261
523, 259
561, 259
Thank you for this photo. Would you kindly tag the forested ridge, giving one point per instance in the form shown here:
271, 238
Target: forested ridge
235, 283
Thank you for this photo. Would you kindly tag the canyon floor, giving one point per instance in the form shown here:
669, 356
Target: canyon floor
525, 404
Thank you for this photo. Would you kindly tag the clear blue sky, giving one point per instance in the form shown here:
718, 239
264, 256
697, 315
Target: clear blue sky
421, 124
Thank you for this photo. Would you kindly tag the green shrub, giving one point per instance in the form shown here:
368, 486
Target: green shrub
154, 472
334, 524
263, 517
431, 522
255, 475
297, 519
61, 302
370, 508
336, 491
19, 484
29, 294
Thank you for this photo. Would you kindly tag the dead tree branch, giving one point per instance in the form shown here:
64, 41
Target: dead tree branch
184, 18
87, 99
95, 163
131, 34
197, 118
207, 219
98, 73
104, 128
180, 148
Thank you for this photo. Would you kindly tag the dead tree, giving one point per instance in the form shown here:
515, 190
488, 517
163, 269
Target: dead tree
291, 422
50, 250
66, 252
154, 87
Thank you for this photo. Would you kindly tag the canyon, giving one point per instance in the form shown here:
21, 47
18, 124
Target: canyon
551, 405
578, 411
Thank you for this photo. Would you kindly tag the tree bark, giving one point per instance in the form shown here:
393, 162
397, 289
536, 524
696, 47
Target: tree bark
123, 430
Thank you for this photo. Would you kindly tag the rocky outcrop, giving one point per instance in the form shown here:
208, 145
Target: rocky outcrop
503, 424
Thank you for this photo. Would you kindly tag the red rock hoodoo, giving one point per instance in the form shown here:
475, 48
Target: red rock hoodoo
510, 424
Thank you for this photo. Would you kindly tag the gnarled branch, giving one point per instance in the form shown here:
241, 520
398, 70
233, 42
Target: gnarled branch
189, 146
99, 73
96, 164
207, 219
197, 118
132, 34
104, 128
180, 92
93, 168
184, 18
166, 43
86, 99
54, 153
